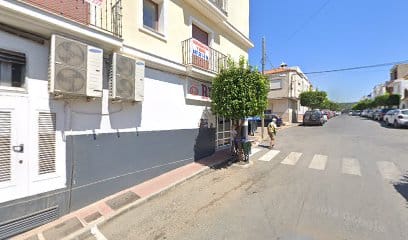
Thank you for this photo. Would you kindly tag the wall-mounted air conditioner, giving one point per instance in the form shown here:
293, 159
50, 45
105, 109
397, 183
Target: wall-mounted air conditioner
127, 78
75, 68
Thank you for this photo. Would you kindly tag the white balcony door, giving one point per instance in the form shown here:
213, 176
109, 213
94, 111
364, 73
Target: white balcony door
14, 172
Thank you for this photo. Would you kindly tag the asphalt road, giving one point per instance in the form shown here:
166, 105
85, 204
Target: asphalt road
340, 181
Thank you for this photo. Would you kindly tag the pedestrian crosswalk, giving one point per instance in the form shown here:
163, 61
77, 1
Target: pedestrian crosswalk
349, 166
292, 158
318, 162
269, 155
388, 170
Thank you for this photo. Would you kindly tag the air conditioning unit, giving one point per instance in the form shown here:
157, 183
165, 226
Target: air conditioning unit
75, 68
127, 78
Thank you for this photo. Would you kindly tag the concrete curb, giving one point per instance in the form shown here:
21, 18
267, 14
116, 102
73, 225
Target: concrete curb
104, 220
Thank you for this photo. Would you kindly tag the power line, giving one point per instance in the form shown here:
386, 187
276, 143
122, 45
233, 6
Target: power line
357, 68
308, 20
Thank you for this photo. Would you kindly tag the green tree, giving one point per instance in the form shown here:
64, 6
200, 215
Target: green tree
394, 100
364, 104
313, 99
239, 91
381, 101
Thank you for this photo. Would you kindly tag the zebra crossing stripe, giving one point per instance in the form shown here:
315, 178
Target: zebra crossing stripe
254, 151
318, 162
388, 170
351, 166
292, 158
269, 155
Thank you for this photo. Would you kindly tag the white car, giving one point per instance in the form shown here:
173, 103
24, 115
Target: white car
397, 118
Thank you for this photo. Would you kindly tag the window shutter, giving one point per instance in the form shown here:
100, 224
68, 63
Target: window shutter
12, 57
200, 35
46, 142
5, 146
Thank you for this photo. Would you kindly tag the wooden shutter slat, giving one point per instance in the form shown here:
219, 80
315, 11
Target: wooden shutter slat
46, 143
5, 146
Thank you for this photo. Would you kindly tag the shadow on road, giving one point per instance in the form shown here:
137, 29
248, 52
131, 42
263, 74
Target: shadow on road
402, 187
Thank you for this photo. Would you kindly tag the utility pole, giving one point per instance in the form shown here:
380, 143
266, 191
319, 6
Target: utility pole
263, 73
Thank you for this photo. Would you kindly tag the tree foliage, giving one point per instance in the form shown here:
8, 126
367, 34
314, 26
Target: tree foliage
381, 100
386, 100
364, 104
239, 91
394, 100
313, 99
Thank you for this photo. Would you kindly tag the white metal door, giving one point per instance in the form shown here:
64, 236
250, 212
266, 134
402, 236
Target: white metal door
14, 177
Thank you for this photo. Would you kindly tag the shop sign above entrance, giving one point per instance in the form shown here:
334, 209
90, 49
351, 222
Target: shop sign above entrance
197, 90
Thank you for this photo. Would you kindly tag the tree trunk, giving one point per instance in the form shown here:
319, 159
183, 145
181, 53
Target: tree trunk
240, 150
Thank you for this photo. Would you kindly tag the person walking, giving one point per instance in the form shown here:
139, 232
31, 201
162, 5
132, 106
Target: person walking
272, 132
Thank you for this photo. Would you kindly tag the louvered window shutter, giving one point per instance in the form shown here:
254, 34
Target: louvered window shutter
46, 142
5, 146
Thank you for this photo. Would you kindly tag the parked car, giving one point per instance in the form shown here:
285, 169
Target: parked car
370, 114
327, 113
377, 114
388, 116
397, 118
356, 113
383, 113
268, 119
313, 118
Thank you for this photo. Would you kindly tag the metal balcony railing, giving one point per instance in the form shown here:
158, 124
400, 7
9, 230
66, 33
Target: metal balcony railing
221, 4
106, 16
202, 56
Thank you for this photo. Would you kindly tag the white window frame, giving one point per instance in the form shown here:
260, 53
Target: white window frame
161, 32
19, 90
203, 27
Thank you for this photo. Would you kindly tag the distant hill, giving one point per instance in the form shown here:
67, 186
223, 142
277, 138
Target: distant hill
346, 105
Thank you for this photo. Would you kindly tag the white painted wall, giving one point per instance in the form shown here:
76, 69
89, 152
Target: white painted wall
35, 96
164, 108
399, 86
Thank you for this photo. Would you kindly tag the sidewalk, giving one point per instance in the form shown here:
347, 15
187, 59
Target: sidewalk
80, 224
257, 138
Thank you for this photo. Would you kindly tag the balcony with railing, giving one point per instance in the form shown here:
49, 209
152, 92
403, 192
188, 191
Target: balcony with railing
105, 15
221, 5
201, 56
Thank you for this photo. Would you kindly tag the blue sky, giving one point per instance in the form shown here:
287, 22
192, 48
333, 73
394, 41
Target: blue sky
346, 33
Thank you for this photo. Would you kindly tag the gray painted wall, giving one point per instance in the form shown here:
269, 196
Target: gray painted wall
99, 165
107, 163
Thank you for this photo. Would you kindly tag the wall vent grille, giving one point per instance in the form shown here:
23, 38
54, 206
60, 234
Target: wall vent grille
19, 225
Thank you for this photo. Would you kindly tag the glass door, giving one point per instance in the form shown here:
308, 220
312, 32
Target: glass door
223, 132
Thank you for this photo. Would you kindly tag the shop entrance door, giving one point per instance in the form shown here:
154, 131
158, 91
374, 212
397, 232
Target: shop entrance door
223, 133
14, 174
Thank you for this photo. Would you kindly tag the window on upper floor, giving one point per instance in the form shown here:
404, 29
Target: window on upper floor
151, 14
12, 68
275, 84
200, 35
153, 18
